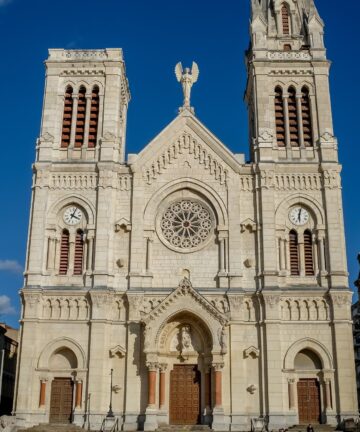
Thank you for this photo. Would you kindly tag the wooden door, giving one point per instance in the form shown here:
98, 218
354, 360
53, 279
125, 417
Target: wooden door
61, 400
185, 395
309, 401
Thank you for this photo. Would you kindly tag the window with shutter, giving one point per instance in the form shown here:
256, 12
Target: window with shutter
306, 117
293, 118
80, 118
79, 253
285, 19
309, 254
64, 252
94, 117
294, 254
67, 118
279, 117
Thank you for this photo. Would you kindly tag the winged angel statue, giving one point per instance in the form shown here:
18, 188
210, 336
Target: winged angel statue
187, 78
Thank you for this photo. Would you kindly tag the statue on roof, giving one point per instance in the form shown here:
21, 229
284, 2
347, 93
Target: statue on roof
187, 77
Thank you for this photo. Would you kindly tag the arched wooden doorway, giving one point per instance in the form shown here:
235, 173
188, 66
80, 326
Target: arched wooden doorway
307, 365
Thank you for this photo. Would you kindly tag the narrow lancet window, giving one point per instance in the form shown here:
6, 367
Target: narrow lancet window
80, 118
64, 252
306, 117
294, 254
79, 253
94, 117
309, 254
279, 117
67, 118
293, 118
285, 17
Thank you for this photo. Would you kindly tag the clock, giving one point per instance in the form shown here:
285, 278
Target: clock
72, 215
299, 216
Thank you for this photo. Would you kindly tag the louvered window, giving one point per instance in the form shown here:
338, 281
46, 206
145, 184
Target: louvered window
67, 118
79, 253
80, 118
294, 254
64, 253
279, 117
94, 117
285, 19
309, 254
293, 118
306, 117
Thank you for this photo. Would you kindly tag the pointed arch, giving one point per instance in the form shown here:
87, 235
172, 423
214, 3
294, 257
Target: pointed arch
279, 117
94, 117
293, 118
285, 19
306, 117
80, 118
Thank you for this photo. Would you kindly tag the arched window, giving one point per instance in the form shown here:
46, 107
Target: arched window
80, 118
64, 252
94, 117
285, 18
279, 117
309, 254
306, 117
79, 253
287, 47
294, 253
67, 117
293, 118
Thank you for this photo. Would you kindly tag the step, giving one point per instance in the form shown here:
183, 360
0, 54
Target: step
180, 428
53, 428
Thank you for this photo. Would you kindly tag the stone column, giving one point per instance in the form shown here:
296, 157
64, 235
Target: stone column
208, 389
218, 411
87, 120
42, 399
89, 255
73, 120
148, 254
162, 386
78, 397
315, 255
286, 119
222, 254
282, 252
328, 402
301, 256
300, 120
71, 253
292, 393
152, 384
151, 422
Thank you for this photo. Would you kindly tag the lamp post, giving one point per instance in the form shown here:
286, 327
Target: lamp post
110, 413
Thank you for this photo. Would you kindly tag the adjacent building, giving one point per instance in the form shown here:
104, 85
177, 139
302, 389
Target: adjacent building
8, 359
210, 290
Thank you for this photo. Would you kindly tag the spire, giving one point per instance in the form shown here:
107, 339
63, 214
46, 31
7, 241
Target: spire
258, 8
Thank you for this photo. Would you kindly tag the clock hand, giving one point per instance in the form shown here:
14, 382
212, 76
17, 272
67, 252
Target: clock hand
299, 216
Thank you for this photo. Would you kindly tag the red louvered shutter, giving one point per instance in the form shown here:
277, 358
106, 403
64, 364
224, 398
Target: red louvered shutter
293, 118
279, 117
79, 253
306, 117
285, 19
64, 253
309, 254
94, 117
67, 118
80, 118
294, 254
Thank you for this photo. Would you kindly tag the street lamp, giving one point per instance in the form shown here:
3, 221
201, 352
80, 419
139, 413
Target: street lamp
110, 413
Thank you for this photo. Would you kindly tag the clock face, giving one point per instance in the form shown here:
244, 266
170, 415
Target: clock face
299, 216
72, 215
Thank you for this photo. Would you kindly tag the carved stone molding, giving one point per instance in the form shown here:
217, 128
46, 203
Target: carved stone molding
248, 225
186, 144
118, 350
289, 55
272, 300
252, 352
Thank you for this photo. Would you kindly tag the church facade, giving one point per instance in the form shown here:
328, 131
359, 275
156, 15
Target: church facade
183, 285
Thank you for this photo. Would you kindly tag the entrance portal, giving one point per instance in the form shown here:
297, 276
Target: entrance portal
185, 395
61, 400
309, 401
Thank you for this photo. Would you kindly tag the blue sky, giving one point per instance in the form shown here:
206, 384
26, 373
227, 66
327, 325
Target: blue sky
154, 35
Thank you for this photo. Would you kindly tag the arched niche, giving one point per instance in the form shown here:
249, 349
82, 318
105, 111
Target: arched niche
62, 350
312, 345
64, 358
307, 360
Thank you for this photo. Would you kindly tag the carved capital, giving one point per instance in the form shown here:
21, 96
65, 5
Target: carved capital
152, 366
218, 367
163, 367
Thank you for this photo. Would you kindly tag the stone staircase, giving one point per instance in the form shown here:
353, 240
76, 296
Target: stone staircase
317, 428
53, 428
184, 428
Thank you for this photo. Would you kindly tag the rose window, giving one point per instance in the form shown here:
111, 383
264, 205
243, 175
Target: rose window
186, 224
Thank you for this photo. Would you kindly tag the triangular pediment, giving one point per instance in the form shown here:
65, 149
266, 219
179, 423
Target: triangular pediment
186, 135
193, 299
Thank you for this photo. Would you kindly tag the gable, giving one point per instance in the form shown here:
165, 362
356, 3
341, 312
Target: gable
186, 135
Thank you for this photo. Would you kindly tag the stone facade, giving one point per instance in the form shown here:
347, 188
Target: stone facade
187, 255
